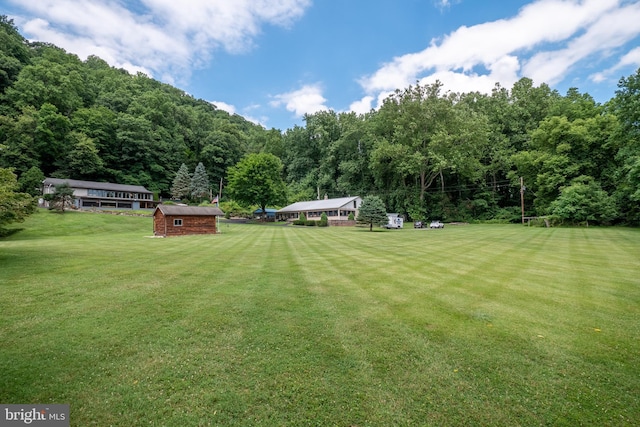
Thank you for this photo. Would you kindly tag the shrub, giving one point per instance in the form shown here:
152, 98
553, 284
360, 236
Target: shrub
301, 221
504, 215
584, 201
351, 217
324, 220
232, 208
311, 223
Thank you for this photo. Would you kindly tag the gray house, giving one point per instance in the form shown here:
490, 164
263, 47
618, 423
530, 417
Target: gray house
103, 195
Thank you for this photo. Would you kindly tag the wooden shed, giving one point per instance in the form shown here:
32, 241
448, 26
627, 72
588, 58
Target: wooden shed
173, 220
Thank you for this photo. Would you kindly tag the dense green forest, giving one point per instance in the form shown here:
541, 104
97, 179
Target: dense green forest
427, 152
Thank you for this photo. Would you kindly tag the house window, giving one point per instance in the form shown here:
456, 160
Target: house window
177, 222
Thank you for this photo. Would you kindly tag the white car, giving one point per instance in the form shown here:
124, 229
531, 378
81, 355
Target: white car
436, 224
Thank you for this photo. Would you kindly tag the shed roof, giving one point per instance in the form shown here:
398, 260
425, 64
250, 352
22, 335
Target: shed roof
75, 183
319, 205
189, 210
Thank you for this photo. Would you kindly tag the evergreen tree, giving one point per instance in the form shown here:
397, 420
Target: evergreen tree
62, 197
181, 186
372, 211
200, 183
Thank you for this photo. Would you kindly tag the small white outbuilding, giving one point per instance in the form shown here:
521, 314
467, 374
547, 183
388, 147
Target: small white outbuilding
395, 221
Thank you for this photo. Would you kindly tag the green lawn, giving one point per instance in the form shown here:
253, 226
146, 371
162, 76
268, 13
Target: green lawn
286, 326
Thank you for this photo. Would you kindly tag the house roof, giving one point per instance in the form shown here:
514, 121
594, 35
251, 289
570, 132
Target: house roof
74, 183
320, 205
189, 210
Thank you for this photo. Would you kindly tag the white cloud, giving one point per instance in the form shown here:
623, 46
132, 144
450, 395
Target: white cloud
229, 24
362, 106
106, 30
445, 4
261, 121
474, 58
164, 37
306, 100
631, 59
224, 106
247, 112
610, 31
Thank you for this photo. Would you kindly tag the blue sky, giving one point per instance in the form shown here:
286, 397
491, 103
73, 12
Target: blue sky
272, 61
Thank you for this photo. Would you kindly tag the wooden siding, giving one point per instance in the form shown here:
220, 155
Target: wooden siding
200, 224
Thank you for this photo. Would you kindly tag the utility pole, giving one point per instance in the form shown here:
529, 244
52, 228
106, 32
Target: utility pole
522, 188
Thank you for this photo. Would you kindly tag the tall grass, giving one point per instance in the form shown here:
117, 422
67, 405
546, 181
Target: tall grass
271, 325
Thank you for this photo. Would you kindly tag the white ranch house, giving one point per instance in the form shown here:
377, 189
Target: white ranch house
336, 209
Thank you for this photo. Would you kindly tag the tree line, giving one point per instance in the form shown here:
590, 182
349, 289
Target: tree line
426, 152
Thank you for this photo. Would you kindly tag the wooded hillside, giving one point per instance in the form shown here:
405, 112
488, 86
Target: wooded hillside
427, 152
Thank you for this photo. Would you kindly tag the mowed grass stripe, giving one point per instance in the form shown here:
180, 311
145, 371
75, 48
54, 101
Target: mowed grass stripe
417, 348
407, 349
354, 319
320, 251
270, 325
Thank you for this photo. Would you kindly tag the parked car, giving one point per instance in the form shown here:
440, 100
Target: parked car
436, 224
418, 224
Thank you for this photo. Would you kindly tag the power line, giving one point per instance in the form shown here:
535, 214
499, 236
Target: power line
464, 187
